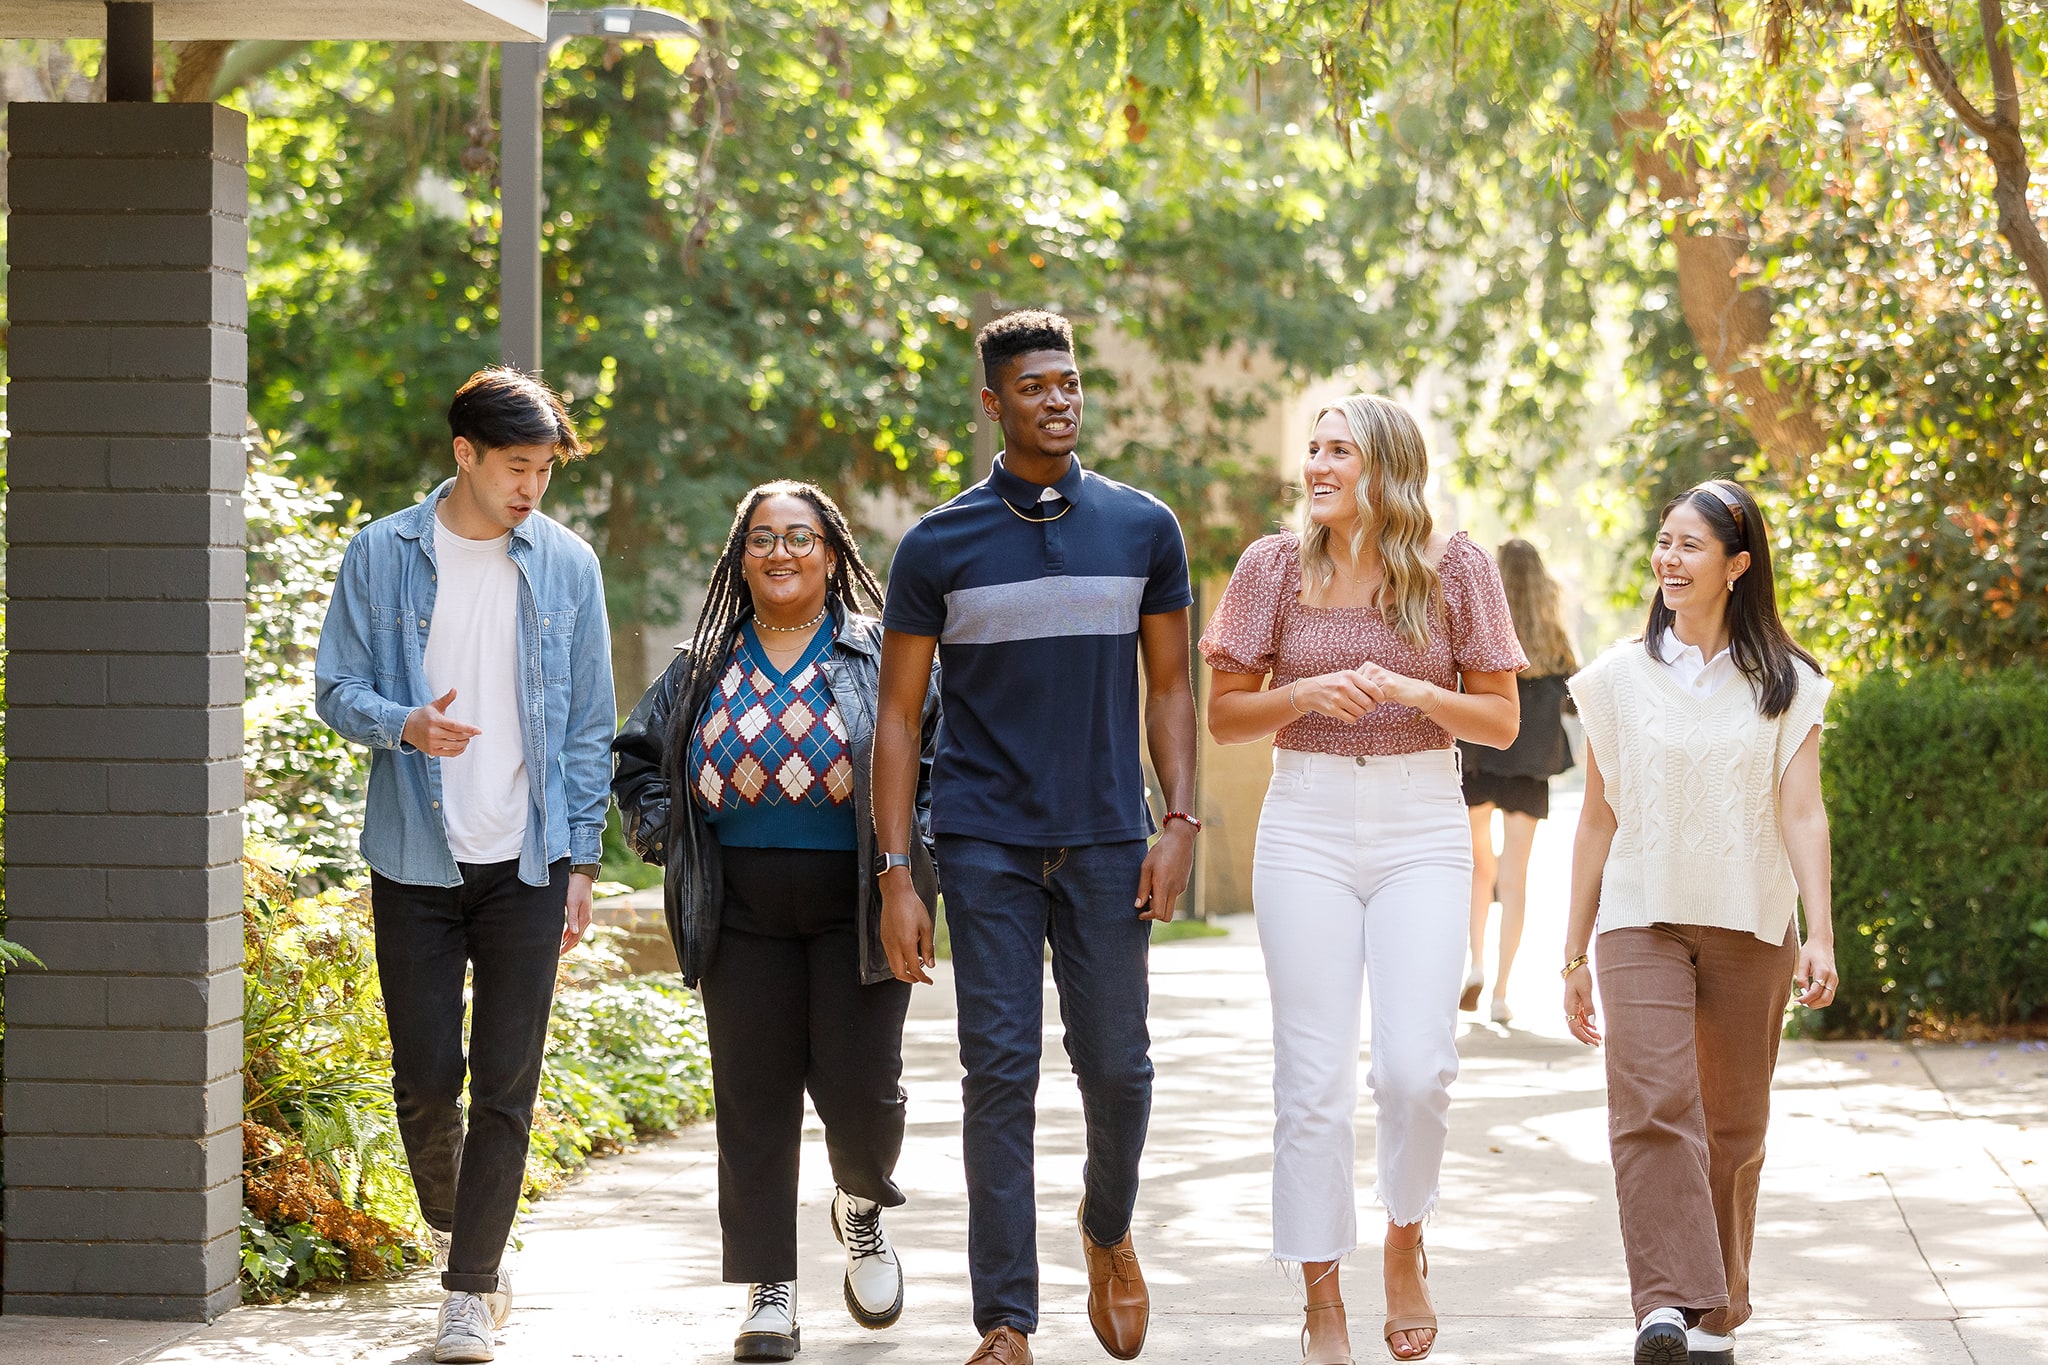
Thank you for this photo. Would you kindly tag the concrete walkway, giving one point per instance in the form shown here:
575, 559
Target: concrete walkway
1903, 1213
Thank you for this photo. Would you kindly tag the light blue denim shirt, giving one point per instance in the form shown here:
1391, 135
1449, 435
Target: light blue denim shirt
371, 674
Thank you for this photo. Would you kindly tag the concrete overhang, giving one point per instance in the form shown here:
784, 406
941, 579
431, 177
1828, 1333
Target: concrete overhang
495, 21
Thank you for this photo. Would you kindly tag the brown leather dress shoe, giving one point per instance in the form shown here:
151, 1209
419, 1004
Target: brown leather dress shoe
1119, 1306
1004, 1346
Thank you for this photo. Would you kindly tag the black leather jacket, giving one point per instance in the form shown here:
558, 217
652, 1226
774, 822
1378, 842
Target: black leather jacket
673, 835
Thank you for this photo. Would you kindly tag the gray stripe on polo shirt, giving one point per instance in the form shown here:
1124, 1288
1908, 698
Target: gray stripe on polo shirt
1043, 608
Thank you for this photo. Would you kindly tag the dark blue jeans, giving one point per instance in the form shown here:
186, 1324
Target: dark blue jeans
1004, 902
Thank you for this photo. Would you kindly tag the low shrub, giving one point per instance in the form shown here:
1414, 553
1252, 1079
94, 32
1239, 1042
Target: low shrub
1937, 790
327, 1195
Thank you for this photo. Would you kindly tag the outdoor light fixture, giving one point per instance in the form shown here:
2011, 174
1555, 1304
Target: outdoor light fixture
524, 67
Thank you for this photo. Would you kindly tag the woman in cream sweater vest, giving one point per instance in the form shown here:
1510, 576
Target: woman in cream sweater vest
1701, 834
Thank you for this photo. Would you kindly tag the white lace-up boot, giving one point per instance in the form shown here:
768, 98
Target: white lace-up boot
770, 1331
1709, 1348
874, 1277
1660, 1338
466, 1330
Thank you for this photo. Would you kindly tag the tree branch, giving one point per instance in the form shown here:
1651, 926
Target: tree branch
2003, 141
1919, 40
2005, 86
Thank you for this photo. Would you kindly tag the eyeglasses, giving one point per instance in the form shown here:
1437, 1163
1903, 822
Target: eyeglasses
761, 544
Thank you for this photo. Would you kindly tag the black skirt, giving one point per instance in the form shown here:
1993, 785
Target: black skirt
1524, 795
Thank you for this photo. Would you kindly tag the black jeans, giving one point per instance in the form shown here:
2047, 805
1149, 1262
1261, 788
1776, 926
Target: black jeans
786, 1012
511, 933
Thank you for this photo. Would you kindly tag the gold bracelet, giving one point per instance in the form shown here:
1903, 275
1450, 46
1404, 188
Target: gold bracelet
1573, 966
1290, 698
1436, 699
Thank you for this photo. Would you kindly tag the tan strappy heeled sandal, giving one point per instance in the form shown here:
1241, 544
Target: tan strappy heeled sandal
1328, 1358
1412, 1322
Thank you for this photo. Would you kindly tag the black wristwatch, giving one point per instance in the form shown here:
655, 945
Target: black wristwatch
886, 861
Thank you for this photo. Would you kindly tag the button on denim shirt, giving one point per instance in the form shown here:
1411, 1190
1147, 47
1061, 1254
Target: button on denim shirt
370, 675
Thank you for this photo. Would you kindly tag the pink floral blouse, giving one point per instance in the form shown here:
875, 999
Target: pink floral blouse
1261, 626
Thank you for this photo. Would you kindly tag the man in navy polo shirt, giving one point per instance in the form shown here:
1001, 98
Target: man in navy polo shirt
1043, 588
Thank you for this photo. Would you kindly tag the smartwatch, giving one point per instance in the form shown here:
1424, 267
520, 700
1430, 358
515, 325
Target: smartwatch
885, 861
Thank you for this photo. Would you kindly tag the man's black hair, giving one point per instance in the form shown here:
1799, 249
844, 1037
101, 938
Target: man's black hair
501, 406
1018, 333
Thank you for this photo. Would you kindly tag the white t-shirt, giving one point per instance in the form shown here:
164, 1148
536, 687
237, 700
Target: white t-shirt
473, 647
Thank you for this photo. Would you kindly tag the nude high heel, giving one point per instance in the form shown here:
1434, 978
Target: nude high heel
1412, 1322
1326, 1357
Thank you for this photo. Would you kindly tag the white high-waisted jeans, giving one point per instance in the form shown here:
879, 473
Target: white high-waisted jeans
1363, 874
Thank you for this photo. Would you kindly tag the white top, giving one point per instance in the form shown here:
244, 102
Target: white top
1693, 781
1697, 674
473, 647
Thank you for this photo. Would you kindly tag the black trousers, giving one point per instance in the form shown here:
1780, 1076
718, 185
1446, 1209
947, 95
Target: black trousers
511, 934
786, 1012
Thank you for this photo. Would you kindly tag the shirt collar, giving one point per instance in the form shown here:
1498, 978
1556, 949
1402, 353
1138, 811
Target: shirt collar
1675, 649
1024, 493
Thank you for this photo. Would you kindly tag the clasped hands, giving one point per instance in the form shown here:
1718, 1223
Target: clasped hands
1351, 694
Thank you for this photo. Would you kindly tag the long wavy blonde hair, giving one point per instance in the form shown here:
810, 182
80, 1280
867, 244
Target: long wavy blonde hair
1390, 502
1533, 602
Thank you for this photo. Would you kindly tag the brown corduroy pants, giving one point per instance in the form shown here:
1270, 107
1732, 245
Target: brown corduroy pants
1693, 1018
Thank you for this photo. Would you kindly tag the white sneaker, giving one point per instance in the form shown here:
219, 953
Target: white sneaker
874, 1277
1709, 1348
1502, 1015
499, 1301
1660, 1338
770, 1331
466, 1330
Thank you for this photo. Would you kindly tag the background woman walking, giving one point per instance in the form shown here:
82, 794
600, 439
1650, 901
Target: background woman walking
1702, 832
1516, 780
1349, 643
744, 771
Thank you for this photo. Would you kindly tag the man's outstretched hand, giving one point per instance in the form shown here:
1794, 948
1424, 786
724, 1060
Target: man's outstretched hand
429, 729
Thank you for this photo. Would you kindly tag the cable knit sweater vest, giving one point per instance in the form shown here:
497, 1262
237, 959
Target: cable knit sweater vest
1694, 786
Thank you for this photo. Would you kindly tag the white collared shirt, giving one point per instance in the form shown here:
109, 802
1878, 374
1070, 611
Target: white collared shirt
1695, 672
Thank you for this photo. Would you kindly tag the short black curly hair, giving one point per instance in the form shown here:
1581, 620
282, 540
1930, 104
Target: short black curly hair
1019, 333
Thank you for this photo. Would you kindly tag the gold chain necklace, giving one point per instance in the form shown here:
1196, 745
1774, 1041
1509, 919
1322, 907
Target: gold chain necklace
1036, 521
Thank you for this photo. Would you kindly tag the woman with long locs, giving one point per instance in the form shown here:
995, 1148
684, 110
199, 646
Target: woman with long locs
744, 773
1701, 836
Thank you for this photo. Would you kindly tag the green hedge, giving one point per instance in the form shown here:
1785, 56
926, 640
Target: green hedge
1937, 789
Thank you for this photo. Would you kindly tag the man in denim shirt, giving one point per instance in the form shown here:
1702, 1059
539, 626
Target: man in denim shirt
467, 646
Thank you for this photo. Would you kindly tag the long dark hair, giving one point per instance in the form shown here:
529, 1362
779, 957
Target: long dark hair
728, 602
1764, 650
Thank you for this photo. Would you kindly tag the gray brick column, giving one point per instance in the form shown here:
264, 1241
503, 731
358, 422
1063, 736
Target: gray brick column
128, 243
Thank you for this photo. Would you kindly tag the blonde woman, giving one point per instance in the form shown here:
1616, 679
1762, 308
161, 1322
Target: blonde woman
1516, 780
1365, 645
1701, 835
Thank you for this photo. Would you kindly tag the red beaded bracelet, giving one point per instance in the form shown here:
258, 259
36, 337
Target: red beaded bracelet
1193, 823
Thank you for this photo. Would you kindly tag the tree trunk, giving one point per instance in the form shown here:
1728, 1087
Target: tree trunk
1728, 323
625, 576
198, 68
